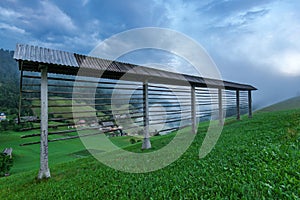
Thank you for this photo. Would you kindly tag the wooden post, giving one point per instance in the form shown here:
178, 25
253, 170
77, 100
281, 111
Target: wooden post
220, 106
249, 104
193, 110
44, 169
20, 97
238, 114
146, 143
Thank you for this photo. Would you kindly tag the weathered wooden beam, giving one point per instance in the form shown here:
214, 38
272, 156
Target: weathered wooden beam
193, 109
146, 143
238, 114
20, 91
44, 168
65, 138
220, 106
249, 104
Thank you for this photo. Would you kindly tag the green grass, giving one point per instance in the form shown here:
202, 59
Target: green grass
256, 158
27, 157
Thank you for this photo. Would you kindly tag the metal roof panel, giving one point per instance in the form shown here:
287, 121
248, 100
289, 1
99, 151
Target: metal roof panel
114, 68
44, 55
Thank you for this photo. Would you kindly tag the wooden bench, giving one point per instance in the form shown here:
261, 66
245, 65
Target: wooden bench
8, 152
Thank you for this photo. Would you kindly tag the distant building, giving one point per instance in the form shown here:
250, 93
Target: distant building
2, 116
27, 119
81, 123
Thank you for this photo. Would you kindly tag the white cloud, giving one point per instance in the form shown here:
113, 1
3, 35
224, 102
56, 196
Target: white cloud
264, 35
242, 18
8, 13
46, 15
70, 43
11, 28
48, 25
160, 39
168, 62
51, 15
183, 16
85, 2
268, 41
287, 62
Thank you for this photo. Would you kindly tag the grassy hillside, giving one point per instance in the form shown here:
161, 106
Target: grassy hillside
26, 158
255, 158
289, 104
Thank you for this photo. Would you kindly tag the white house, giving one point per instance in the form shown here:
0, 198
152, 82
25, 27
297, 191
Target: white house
2, 116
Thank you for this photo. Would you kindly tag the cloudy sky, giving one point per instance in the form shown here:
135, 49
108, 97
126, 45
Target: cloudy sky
251, 41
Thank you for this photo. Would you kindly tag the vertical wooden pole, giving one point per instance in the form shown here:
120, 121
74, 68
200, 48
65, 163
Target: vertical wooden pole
249, 104
220, 106
238, 114
20, 97
146, 143
44, 169
193, 110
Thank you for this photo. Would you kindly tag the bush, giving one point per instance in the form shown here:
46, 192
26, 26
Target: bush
22, 125
5, 164
132, 141
18, 127
4, 125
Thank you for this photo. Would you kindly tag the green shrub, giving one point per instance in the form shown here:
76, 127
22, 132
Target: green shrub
5, 164
4, 125
132, 141
18, 127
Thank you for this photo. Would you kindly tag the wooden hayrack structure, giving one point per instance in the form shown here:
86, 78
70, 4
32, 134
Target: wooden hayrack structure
53, 83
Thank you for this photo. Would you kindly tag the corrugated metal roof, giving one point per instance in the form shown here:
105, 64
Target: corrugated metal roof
44, 55
70, 63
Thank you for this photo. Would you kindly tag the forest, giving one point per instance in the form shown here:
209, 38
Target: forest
9, 83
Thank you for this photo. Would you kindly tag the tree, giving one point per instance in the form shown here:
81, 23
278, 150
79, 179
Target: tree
4, 125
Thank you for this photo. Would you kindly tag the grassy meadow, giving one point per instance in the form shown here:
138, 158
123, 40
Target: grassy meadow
256, 158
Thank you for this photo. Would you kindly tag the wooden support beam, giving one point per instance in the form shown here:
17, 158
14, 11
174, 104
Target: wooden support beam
220, 106
44, 168
193, 110
238, 114
20, 97
249, 104
146, 143
20, 91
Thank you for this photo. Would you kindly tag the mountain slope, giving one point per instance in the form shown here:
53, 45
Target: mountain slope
289, 104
